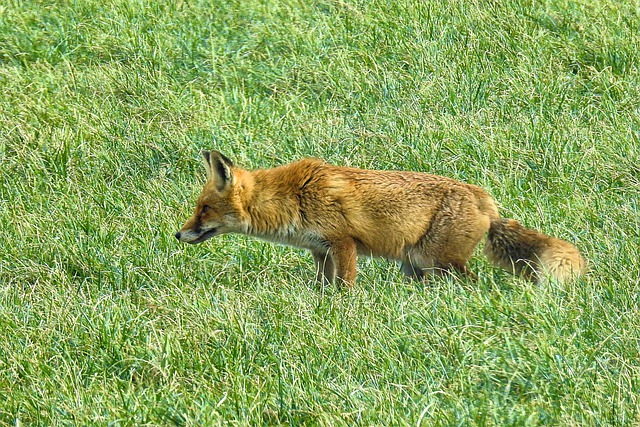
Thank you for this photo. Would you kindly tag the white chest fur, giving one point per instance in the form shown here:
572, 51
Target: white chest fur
293, 236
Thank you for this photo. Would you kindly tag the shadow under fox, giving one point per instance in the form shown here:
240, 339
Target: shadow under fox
430, 224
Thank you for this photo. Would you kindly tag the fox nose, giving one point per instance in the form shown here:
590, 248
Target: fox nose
177, 235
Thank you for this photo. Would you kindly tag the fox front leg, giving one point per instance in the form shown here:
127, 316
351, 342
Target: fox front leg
344, 252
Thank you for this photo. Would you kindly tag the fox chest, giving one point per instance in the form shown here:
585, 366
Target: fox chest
293, 236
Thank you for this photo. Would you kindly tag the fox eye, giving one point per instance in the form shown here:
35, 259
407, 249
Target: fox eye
205, 208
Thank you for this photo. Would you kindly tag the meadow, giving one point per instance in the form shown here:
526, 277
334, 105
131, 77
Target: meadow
107, 320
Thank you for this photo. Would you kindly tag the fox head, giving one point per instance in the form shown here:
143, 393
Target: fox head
219, 208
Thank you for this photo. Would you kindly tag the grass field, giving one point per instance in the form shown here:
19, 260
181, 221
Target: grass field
105, 319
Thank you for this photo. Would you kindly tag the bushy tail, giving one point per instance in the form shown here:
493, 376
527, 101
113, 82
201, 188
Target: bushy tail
531, 254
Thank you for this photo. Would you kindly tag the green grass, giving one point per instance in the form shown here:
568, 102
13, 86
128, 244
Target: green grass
105, 319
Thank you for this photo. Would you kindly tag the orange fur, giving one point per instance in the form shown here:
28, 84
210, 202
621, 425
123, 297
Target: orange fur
429, 223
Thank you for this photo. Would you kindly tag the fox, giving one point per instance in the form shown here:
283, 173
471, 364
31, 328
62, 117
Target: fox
429, 224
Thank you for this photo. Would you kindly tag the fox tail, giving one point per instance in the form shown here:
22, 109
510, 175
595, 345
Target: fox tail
531, 254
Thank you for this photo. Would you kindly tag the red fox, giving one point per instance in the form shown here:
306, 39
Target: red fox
430, 224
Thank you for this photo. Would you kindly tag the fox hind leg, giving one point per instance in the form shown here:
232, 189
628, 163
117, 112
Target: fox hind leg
411, 271
448, 247
455, 250
421, 271
418, 266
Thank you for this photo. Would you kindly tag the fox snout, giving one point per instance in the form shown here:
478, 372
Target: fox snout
191, 236
197, 234
181, 236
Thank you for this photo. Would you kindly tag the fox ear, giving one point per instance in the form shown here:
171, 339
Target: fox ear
218, 168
